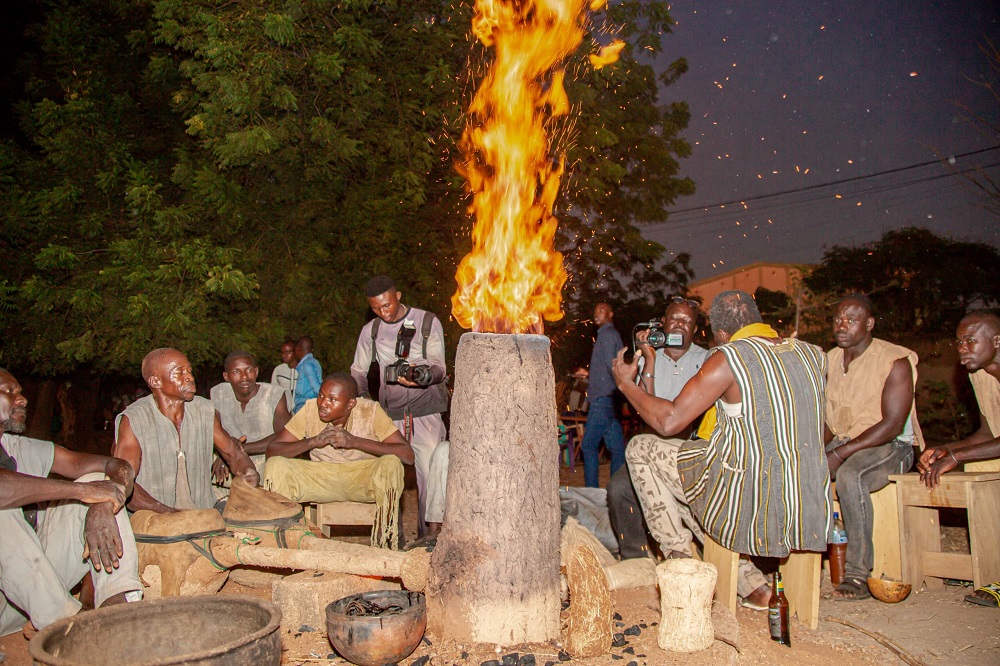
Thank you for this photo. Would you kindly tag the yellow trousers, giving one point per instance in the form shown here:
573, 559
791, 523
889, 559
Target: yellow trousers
379, 480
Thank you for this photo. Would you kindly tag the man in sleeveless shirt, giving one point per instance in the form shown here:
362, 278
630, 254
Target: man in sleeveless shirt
250, 411
44, 554
355, 455
978, 347
871, 427
759, 485
168, 437
415, 408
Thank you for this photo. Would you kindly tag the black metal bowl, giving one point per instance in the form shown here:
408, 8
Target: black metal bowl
377, 640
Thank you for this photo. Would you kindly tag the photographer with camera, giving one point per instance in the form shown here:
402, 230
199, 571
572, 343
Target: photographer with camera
668, 360
406, 347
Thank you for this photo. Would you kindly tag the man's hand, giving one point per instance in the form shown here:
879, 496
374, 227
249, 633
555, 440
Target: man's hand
340, 438
103, 543
96, 492
220, 471
935, 462
624, 372
834, 461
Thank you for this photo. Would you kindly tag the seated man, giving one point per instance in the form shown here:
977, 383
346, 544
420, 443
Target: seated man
663, 373
760, 484
168, 438
979, 351
871, 428
249, 410
43, 556
355, 451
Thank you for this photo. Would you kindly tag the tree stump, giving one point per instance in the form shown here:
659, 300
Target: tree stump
686, 589
495, 570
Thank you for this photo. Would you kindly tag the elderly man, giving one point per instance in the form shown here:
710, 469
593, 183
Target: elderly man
979, 351
45, 554
412, 336
759, 485
168, 438
249, 410
602, 422
871, 427
309, 373
285, 375
355, 455
663, 372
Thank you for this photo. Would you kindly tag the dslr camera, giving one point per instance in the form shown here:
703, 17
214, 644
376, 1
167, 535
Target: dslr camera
658, 338
418, 374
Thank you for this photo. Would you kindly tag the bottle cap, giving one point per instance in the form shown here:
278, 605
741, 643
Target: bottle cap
836, 515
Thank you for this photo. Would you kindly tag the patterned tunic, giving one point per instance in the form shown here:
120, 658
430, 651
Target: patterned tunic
761, 485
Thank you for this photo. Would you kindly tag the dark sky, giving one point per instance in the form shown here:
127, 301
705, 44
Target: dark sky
786, 94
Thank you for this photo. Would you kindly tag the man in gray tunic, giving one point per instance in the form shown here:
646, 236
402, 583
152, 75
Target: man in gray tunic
250, 411
168, 437
44, 553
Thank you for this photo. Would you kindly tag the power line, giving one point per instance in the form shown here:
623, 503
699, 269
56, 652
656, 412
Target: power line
820, 185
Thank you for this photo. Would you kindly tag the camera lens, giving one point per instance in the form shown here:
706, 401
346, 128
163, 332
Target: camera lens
657, 338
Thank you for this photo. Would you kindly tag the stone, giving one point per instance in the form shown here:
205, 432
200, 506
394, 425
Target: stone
303, 597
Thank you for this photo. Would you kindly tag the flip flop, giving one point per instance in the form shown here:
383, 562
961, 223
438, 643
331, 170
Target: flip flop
746, 603
855, 586
991, 601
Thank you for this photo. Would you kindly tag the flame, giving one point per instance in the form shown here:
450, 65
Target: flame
513, 277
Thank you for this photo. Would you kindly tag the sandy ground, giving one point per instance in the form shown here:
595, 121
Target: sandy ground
934, 628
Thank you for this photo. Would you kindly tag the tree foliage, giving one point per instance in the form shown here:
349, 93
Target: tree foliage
209, 175
917, 281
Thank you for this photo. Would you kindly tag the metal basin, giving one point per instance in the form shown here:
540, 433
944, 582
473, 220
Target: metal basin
377, 640
208, 630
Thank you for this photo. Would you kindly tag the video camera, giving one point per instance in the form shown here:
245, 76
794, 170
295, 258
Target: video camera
658, 338
418, 374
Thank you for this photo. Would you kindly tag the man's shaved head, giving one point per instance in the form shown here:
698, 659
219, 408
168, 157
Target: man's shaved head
155, 359
861, 300
988, 318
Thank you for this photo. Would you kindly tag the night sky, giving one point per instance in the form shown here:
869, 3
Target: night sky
786, 94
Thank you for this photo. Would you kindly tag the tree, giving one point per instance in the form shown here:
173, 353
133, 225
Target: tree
215, 175
918, 282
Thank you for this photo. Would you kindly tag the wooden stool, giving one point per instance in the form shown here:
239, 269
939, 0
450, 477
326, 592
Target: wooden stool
800, 572
885, 532
920, 532
339, 513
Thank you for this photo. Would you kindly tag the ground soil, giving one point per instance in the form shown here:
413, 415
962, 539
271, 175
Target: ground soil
932, 627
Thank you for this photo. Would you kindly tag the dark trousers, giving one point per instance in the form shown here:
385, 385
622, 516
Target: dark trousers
626, 516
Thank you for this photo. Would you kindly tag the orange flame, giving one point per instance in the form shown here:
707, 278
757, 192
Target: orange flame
513, 277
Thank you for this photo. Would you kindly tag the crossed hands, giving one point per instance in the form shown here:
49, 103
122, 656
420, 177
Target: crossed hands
933, 463
335, 436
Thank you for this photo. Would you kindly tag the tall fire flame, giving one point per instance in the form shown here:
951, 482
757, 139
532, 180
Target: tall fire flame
513, 277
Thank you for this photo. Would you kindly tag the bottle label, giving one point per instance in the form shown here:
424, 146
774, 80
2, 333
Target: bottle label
774, 622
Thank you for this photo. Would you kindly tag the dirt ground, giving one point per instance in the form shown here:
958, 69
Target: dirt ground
934, 628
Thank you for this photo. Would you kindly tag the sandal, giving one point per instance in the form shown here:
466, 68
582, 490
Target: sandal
426, 541
990, 596
855, 587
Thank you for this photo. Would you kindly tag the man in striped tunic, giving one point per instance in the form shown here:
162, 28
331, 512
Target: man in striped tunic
759, 485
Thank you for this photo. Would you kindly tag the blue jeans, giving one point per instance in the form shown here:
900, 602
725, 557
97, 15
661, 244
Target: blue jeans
601, 424
862, 474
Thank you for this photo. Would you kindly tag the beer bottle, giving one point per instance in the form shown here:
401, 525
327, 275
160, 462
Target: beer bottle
777, 613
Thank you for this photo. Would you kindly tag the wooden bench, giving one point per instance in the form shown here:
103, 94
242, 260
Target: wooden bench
800, 572
339, 513
920, 531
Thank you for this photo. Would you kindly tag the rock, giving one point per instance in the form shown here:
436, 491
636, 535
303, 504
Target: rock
618, 640
632, 631
305, 628
421, 661
491, 662
629, 650
618, 616
510, 659
564, 656
526, 660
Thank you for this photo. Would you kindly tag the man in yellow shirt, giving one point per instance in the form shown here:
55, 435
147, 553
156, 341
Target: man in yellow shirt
355, 455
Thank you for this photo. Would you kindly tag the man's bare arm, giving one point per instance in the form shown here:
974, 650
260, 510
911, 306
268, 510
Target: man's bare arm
715, 380
17, 490
394, 445
74, 464
287, 445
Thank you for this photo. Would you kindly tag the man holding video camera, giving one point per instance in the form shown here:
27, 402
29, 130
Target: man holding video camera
407, 346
